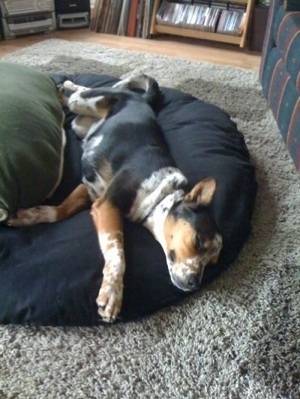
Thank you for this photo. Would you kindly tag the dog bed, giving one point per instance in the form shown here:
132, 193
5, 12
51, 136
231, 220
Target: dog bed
51, 274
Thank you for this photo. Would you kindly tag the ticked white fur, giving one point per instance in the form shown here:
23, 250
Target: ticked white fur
153, 190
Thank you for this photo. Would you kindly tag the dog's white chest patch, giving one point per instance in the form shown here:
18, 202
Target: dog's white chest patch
153, 190
92, 145
95, 142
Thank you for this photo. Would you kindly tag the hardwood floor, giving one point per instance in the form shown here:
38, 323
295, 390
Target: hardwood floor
192, 49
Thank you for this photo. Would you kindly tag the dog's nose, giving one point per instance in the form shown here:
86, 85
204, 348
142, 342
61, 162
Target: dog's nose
193, 282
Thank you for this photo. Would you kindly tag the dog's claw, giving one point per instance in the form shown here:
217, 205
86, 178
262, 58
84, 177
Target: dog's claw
109, 302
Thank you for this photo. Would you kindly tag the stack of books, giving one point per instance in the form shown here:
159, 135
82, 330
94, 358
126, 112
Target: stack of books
122, 17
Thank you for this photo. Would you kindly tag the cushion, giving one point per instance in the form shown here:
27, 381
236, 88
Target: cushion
31, 137
50, 274
291, 5
287, 39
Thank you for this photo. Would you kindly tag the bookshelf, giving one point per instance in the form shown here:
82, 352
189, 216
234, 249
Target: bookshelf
258, 27
122, 17
165, 27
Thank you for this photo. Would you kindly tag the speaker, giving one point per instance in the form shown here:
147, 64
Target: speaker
25, 17
72, 6
72, 13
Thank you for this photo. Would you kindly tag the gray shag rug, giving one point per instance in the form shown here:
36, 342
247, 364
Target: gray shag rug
238, 337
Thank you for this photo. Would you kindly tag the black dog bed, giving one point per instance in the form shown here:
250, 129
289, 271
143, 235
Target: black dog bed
51, 274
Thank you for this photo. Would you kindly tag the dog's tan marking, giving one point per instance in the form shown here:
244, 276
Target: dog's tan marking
203, 192
109, 225
106, 171
81, 125
102, 106
180, 235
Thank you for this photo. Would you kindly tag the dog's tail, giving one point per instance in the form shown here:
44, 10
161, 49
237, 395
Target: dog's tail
144, 85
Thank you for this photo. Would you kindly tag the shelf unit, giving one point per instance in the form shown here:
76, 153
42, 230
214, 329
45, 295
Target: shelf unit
258, 27
220, 37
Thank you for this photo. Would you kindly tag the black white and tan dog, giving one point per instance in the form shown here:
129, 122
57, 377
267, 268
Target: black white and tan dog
128, 172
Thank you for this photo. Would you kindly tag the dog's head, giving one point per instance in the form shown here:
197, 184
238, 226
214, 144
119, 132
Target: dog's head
192, 238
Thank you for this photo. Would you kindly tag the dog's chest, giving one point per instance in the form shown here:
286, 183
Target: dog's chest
153, 190
92, 144
133, 176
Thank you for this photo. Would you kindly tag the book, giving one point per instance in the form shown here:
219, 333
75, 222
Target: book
132, 18
113, 17
96, 13
124, 18
140, 18
101, 14
147, 18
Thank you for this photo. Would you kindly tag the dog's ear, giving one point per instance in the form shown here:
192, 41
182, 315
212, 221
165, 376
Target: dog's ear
202, 193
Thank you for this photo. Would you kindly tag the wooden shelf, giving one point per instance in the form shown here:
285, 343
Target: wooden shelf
198, 34
258, 28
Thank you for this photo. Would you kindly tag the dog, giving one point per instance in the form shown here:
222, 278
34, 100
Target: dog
129, 172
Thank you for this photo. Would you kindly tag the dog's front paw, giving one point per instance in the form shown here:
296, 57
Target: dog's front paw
109, 301
36, 215
68, 85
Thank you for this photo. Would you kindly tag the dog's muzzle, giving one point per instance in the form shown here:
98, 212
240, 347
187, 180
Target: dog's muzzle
187, 281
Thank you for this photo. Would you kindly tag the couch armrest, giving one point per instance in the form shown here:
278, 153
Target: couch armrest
269, 37
291, 5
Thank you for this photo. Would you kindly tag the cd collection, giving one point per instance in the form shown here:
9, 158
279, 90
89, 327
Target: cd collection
212, 16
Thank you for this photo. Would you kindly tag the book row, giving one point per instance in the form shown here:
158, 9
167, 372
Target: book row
126, 18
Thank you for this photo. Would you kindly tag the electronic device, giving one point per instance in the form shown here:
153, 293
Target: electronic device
23, 17
72, 13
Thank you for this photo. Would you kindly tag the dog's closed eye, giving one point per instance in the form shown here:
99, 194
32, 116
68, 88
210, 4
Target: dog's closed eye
200, 243
172, 255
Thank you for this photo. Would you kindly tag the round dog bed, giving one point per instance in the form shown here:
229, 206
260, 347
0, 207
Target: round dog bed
51, 274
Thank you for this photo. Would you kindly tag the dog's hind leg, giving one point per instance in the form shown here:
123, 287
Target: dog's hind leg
108, 221
75, 202
93, 103
81, 125
69, 85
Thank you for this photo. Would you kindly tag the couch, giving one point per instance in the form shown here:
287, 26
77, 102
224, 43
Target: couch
280, 71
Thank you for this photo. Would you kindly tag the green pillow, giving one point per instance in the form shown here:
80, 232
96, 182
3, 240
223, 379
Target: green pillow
31, 138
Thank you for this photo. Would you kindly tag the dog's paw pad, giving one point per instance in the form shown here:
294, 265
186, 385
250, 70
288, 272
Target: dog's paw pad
38, 214
68, 85
109, 302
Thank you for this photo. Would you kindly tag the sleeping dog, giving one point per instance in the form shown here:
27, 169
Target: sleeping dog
128, 172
